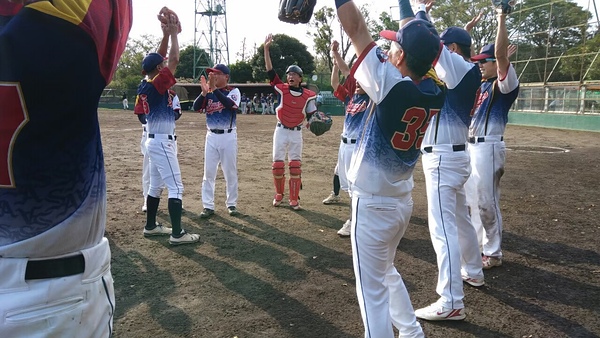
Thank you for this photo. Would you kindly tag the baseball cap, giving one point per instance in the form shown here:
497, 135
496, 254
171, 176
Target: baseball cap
151, 61
294, 69
220, 68
488, 51
456, 35
417, 38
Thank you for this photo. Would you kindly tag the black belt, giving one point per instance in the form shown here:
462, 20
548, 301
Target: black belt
288, 128
171, 137
455, 147
481, 139
55, 268
220, 131
348, 140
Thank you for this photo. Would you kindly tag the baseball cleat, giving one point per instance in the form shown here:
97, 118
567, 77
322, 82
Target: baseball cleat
332, 198
438, 312
277, 200
158, 230
490, 262
185, 238
345, 230
206, 213
476, 282
144, 208
295, 205
233, 211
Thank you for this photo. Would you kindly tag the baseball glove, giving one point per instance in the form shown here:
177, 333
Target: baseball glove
319, 123
296, 11
163, 17
506, 5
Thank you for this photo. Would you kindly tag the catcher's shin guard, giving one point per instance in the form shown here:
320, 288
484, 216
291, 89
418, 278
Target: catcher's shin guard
279, 178
295, 181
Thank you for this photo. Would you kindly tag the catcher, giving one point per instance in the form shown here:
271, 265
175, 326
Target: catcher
295, 104
296, 11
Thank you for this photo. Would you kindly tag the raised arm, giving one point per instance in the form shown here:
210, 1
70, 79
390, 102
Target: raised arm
164, 43
268, 41
173, 30
354, 24
339, 60
502, 61
335, 76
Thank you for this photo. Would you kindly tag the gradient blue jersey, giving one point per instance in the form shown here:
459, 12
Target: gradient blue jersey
462, 79
355, 104
52, 180
495, 98
218, 116
394, 126
153, 99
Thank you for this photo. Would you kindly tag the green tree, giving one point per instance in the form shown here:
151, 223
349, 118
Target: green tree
544, 31
241, 72
185, 69
129, 69
585, 61
285, 51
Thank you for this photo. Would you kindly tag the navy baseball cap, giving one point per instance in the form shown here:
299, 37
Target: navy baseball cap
456, 35
151, 61
487, 52
417, 38
294, 69
220, 68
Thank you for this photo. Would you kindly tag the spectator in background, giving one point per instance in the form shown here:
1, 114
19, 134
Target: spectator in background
125, 102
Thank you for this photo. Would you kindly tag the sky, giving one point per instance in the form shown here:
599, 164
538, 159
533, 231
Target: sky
251, 20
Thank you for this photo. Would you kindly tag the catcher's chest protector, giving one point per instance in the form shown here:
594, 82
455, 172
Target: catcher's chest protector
290, 111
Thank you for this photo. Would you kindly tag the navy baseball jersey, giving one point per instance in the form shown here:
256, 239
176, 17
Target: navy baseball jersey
218, 116
356, 105
394, 126
462, 79
52, 180
493, 102
154, 100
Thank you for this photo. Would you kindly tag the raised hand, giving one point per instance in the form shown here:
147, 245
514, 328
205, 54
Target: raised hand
268, 40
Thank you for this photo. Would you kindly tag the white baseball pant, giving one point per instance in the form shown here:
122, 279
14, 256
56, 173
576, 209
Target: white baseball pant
483, 193
378, 224
164, 166
453, 236
80, 305
220, 148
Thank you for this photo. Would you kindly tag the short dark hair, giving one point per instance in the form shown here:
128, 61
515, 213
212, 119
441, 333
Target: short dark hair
464, 50
416, 65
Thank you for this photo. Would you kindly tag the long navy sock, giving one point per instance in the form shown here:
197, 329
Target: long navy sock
175, 214
336, 185
152, 205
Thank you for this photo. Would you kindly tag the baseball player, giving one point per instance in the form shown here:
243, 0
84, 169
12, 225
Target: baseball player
356, 102
295, 105
243, 102
220, 103
446, 168
154, 103
125, 101
55, 264
404, 94
497, 93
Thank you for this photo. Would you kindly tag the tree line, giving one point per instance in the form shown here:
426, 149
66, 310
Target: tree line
555, 42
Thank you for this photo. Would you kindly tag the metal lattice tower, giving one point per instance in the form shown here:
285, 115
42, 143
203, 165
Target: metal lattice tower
210, 35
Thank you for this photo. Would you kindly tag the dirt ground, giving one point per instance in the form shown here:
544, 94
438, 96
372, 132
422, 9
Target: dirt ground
276, 273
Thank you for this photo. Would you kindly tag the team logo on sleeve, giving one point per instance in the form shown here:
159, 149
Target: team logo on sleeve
381, 55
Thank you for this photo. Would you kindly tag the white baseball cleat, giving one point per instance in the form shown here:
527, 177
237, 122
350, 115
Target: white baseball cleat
158, 230
186, 238
277, 200
144, 208
332, 198
476, 282
345, 230
490, 262
438, 312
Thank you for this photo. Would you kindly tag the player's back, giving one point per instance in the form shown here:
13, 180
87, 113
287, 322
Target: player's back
52, 171
393, 130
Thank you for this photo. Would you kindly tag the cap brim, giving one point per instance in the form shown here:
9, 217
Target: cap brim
480, 57
214, 70
389, 35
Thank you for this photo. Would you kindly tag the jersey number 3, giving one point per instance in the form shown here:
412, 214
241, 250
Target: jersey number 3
13, 116
416, 119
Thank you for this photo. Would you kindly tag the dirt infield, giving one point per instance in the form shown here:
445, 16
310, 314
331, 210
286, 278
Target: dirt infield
276, 273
